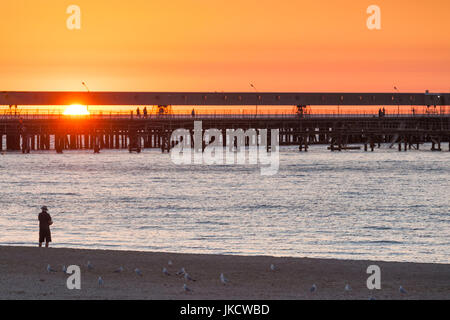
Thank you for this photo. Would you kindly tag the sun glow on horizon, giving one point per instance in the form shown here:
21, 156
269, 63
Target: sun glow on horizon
76, 110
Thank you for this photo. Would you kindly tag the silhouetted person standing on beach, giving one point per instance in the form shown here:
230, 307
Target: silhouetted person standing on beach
45, 221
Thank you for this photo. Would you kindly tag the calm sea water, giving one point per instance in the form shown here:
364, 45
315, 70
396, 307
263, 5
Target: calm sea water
385, 205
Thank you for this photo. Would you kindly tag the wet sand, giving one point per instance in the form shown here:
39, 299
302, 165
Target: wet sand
23, 275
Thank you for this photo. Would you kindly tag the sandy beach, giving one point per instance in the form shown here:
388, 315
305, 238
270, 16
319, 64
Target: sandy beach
23, 275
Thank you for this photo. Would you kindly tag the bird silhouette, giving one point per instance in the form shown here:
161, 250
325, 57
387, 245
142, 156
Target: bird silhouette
119, 270
188, 277
50, 269
223, 279
186, 288
138, 272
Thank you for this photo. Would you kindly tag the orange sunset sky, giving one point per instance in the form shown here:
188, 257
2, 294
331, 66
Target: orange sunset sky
215, 45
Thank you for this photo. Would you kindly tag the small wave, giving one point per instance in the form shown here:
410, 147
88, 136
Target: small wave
213, 223
62, 194
385, 242
377, 228
203, 238
148, 227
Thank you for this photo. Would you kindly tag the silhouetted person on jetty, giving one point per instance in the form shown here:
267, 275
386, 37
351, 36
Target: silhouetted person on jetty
45, 221
138, 112
145, 112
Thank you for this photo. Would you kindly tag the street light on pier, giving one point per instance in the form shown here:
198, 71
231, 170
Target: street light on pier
251, 85
398, 106
85, 85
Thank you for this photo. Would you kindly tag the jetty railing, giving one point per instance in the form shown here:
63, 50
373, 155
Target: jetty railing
44, 114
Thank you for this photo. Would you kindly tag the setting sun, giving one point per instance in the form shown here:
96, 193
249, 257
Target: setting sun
76, 110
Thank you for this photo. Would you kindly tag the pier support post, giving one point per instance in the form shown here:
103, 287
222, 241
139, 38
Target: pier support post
33, 142
269, 138
25, 143
97, 143
435, 142
59, 143
13, 142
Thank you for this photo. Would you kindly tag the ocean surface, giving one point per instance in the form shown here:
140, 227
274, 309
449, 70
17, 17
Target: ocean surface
382, 205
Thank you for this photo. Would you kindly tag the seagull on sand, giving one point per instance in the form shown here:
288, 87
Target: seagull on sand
181, 272
347, 287
223, 279
313, 288
138, 272
402, 290
64, 269
100, 281
186, 288
169, 262
272, 267
89, 265
188, 278
119, 270
166, 272
50, 269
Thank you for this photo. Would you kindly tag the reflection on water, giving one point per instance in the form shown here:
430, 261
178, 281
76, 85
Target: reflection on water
385, 205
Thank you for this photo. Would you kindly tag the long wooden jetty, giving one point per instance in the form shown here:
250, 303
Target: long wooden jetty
44, 98
132, 132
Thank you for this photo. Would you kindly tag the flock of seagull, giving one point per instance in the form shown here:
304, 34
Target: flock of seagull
182, 273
